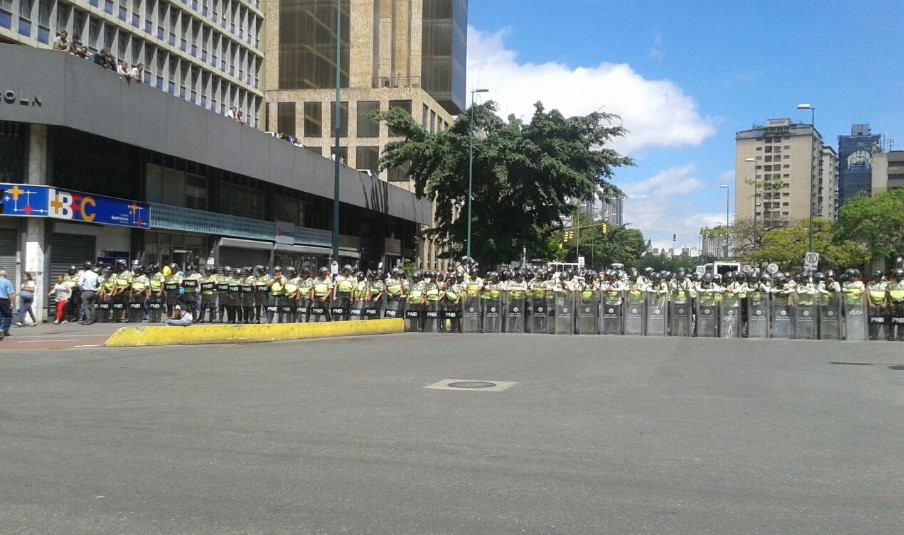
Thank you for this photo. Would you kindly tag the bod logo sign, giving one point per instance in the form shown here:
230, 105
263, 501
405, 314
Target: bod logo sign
42, 201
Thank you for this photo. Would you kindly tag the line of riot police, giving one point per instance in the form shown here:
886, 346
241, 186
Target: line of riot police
614, 302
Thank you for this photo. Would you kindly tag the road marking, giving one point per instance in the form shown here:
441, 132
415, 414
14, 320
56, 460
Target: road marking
47, 340
89, 345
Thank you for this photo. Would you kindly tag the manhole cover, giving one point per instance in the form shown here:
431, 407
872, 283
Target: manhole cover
472, 384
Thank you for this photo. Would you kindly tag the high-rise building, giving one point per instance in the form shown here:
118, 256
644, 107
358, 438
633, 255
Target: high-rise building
855, 161
203, 51
407, 54
887, 171
783, 170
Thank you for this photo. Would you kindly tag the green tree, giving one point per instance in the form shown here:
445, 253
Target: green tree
877, 222
601, 247
525, 175
787, 247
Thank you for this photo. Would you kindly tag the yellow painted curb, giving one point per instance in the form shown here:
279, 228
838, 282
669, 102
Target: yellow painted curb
238, 334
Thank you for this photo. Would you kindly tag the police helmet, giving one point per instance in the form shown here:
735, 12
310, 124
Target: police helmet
681, 274
707, 278
830, 274
72, 270
741, 277
819, 276
347, 267
765, 278
899, 274
730, 276
88, 265
855, 273
291, 270
277, 269
803, 277
655, 276
717, 278
323, 270
138, 270
877, 274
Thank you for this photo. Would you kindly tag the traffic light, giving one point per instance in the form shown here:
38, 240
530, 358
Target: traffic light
605, 228
569, 234
674, 237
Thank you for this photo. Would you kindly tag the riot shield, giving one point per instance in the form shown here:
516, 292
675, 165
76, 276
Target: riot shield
635, 312
514, 321
781, 316
657, 314
830, 326
370, 310
492, 311
393, 309
708, 315
470, 313
855, 322
452, 313
564, 320
136, 308
356, 310
804, 317
730, 316
680, 314
588, 312
301, 310
432, 317
539, 314
613, 312
414, 317
758, 315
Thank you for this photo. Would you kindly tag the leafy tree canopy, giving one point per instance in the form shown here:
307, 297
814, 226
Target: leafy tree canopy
525, 175
787, 247
877, 222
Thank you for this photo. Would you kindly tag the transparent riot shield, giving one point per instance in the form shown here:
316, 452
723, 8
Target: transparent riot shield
730, 316
393, 309
680, 313
492, 311
514, 321
565, 302
470, 313
708, 315
830, 326
657, 313
588, 312
635, 312
371, 309
855, 322
432, 317
414, 317
781, 315
804, 314
452, 315
758, 315
356, 310
539, 314
613, 312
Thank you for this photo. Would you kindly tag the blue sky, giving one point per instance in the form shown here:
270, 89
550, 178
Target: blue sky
686, 76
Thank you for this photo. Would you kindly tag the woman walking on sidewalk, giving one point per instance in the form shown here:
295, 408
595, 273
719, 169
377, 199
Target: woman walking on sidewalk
62, 292
27, 297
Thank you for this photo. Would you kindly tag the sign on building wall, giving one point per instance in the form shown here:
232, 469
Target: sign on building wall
23, 200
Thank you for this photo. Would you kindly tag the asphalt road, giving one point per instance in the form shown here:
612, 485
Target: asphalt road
598, 435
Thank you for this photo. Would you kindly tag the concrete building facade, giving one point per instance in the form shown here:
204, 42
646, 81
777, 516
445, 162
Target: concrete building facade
407, 54
789, 177
887, 171
207, 52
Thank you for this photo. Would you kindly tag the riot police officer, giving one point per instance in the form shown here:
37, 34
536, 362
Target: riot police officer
138, 294
208, 295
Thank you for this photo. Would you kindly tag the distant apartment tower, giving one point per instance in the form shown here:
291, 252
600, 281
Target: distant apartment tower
204, 51
407, 54
783, 173
855, 161
887, 171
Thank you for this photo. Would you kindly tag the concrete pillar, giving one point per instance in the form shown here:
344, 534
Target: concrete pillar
34, 234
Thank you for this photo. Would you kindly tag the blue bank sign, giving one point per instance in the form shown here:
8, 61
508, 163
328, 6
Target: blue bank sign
22, 200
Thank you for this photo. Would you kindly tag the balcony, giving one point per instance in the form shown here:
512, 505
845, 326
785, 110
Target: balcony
396, 81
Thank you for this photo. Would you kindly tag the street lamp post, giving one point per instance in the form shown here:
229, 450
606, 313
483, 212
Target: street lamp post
471, 164
336, 125
756, 194
727, 189
812, 147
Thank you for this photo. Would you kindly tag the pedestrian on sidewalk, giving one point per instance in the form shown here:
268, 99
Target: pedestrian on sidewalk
7, 293
26, 297
88, 282
62, 292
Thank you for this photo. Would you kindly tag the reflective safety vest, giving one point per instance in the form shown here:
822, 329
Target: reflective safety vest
635, 296
139, 283
190, 283
416, 292
452, 293
433, 293
172, 283
877, 291
71, 281
123, 280
345, 285
291, 287
490, 292
260, 283
896, 291
156, 282
517, 290
277, 289
852, 292
394, 287
321, 287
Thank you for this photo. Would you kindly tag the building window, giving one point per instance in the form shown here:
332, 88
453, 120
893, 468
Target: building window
343, 155
367, 158
343, 119
285, 118
241, 201
307, 44
402, 105
367, 127
313, 119
289, 210
399, 174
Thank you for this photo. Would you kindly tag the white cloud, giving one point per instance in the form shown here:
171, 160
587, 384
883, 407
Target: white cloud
656, 51
656, 113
